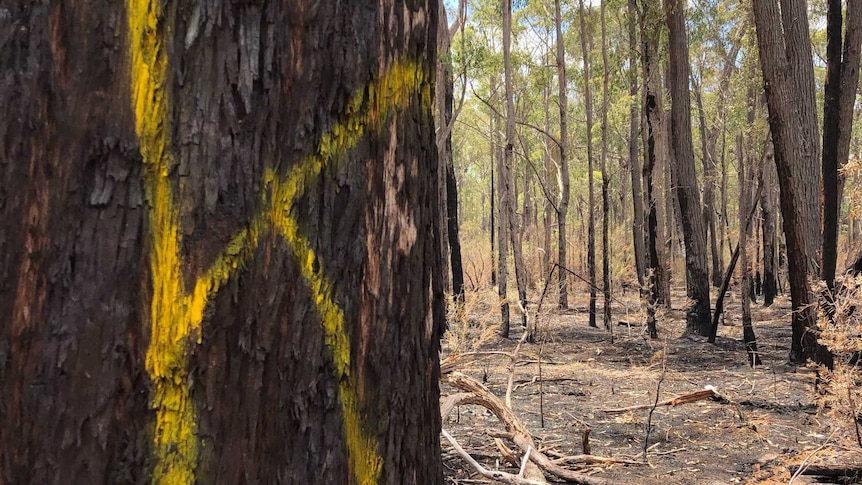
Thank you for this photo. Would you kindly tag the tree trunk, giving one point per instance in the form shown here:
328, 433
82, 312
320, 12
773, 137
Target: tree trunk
694, 230
651, 99
723, 236
787, 92
443, 127
842, 78
548, 207
745, 209
563, 171
767, 214
586, 40
502, 235
208, 266
508, 176
708, 186
493, 142
634, 160
606, 267
442, 113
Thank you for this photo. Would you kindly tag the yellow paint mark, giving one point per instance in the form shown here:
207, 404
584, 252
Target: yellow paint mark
177, 314
366, 110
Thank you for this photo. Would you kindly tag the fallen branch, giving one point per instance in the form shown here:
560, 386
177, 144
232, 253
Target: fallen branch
839, 470
480, 395
684, 399
592, 460
489, 474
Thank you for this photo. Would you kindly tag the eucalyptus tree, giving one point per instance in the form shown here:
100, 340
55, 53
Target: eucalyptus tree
687, 189
842, 80
586, 42
788, 78
220, 243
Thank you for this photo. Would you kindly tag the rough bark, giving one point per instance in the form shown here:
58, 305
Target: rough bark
796, 161
687, 188
650, 100
842, 79
586, 41
212, 236
563, 170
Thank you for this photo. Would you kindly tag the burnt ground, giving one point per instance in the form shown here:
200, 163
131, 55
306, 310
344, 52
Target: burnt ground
770, 423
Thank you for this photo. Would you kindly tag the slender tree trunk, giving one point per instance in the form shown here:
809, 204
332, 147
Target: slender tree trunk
745, 207
842, 79
724, 238
454, 231
634, 159
708, 186
789, 90
563, 172
586, 41
492, 137
502, 237
443, 111
443, 122
548, 208
694, 230
508, 177
651, 99
767, 214
606, 267
203, 274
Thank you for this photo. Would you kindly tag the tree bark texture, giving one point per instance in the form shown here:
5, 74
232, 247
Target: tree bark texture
687, 189
651, 124
842, 78
795, 155
767, 215
221, 257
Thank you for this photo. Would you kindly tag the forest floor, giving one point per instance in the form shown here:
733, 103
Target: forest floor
768, 422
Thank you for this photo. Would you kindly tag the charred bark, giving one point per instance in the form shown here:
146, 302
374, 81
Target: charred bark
687, 190
209, 236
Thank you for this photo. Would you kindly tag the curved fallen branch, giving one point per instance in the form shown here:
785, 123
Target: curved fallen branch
476, 393
489, 474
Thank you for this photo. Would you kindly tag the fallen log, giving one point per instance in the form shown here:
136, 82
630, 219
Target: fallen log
684, 399
837, 471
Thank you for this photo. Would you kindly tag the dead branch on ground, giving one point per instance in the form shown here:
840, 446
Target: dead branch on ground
684, 399
489, 474
476, 393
